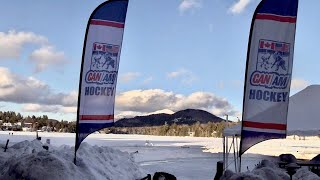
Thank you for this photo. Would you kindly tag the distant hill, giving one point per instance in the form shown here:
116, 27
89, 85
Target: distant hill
188, 116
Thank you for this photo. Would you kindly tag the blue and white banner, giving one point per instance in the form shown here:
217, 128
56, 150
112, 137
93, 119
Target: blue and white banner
99, 68
268, 72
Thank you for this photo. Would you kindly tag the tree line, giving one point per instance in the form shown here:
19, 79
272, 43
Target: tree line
209, 129
37, 121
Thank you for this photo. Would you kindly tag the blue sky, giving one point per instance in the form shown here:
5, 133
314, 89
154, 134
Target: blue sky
176, 54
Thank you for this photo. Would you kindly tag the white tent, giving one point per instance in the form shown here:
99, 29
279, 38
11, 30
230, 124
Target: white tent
234, 133
303, 119
303, 114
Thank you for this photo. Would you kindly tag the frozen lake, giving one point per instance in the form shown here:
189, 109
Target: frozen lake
185, 157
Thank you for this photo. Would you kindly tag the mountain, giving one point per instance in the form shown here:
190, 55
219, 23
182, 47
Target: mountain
188, 116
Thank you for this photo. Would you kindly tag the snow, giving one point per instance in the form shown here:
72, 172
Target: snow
301, 148
29, 160
133, 156
163, 111
268, 170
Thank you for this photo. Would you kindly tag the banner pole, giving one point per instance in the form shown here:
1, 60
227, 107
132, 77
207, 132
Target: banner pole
110, 15
245, 79
269, 56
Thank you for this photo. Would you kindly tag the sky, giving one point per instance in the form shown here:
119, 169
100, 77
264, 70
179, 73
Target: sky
176, 54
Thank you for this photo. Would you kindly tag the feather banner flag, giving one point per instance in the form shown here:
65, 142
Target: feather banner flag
99, 68
268, 72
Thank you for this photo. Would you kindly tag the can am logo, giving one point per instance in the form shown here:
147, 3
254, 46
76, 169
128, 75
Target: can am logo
103, 65
272, 65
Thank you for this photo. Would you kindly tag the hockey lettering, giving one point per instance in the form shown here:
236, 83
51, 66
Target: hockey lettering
269, 96
98, 91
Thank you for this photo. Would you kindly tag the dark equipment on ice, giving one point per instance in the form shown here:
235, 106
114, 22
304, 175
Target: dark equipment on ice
148, 177
316, 167
285, 159
290, 163
38, 137
45, 147
160, 176
292, 169
219, 172
163, 176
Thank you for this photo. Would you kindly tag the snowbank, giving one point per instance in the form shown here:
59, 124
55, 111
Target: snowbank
29, 160
304, 173
268, 170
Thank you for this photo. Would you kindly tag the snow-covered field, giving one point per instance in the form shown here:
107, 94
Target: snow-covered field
185, 157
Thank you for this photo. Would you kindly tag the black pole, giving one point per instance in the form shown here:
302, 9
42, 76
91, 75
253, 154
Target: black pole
239, 164
6, 147
234, 155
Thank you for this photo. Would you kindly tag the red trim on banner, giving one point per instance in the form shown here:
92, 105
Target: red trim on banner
96, 117
107, 23
276, 18
264, 125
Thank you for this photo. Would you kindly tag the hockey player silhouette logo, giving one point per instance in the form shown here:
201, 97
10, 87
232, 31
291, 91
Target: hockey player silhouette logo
103, 64
273, 57
264, 63
279, 61
272, 67
104, 57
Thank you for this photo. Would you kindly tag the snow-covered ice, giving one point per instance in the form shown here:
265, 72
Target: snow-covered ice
133, 156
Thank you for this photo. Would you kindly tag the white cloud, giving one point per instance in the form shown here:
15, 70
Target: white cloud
177, 73
48, 108
11, 43
128, 76
151, 100
70, 98
187, 5
147, 80
16, 89
47, 56
186, 76
298, 84
37, 96
239, 6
